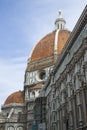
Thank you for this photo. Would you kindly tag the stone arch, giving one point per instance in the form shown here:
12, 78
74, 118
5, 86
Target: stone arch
20, 128
11, 128
29, 94
38, 91
33, 94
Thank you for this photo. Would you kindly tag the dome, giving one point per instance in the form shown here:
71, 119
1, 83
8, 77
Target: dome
62, 39
17, 97
46, 46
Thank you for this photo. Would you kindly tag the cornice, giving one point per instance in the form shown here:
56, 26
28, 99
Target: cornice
74, 60
40, 64
14, 105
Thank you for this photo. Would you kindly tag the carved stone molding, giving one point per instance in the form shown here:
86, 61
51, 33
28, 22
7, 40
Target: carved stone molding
40, 64
76, 57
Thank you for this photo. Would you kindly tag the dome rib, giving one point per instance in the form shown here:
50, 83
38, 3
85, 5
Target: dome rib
49, 45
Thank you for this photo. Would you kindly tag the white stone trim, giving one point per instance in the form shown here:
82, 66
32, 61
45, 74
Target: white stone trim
56, 42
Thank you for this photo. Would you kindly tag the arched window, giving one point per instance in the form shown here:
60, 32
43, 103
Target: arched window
54, 117
10, 128
19, 128
53, 106
33, 94
29, 94
58, 26
39, 92
61, 26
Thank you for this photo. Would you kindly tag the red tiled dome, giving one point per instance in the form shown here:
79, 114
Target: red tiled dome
45, 47
17, 97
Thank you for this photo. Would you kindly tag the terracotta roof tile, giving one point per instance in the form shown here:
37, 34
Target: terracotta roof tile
62, 39
17, 97
39, 85
45, 47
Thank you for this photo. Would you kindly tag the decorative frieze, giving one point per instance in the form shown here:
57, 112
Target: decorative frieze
73, 62
40, 64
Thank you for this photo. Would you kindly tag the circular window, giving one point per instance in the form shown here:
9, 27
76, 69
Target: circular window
42, 75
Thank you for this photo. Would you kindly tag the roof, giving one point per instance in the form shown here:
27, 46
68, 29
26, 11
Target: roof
45, 47
16, 97
62, 39
37, 86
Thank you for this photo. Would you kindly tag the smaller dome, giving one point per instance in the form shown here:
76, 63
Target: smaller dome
17, 97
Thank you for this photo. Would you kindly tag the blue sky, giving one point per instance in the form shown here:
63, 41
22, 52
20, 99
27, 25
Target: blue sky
22, 24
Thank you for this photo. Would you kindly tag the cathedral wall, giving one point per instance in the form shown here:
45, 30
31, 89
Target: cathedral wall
33, 77
66, 89
71, 52
16, 108
14, 126
68, 96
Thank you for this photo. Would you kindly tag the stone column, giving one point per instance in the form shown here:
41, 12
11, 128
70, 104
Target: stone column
80, 116
84, 106
79, 109
77, 82
63, 119
85, 56
85, 64
85, 67
63, 99
70, 115
58, 120
26, 94
74, 111
71, 121
69, 91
